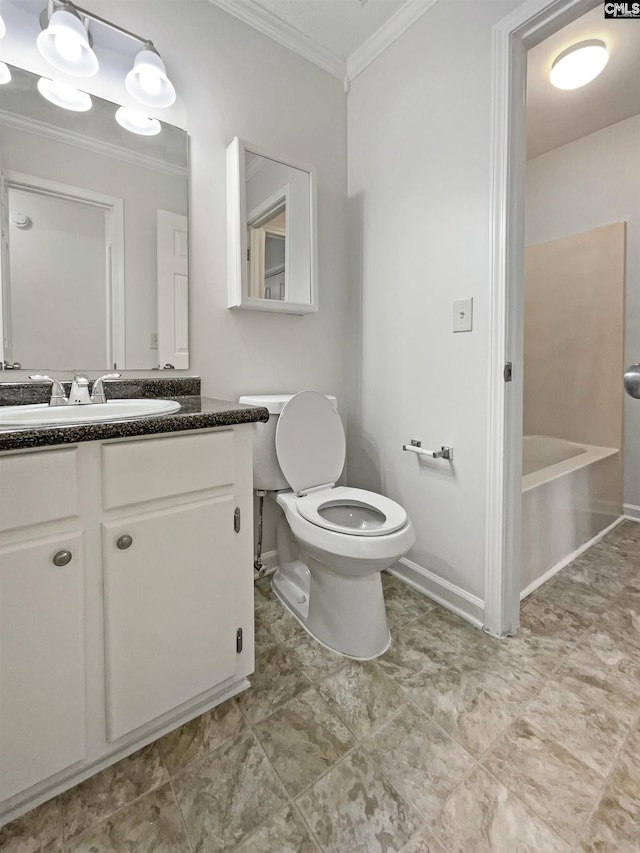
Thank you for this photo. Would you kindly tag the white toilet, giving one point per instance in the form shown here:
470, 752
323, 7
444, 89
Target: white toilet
333, 541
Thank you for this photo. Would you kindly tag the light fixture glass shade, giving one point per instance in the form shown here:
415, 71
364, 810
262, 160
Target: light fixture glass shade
65, 45
579, 64
147, 81
5, 73
63, 95
137, 122
3, 28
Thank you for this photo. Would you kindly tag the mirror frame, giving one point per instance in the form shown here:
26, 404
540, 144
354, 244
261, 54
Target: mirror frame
237, 264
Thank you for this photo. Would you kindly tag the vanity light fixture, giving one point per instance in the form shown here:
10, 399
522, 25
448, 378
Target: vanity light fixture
63, 95
579, 64
147, 81
65, 43
137, 122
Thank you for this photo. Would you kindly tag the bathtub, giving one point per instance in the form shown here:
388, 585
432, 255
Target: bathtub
570, 493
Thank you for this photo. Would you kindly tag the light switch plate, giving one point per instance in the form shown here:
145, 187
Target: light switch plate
463, 315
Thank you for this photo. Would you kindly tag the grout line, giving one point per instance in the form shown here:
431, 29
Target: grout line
292, 804
177, 801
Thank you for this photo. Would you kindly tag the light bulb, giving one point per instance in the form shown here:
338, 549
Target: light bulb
3, 28
150, 81
68, 47
137, 122
579, 64
5, 73
63, 95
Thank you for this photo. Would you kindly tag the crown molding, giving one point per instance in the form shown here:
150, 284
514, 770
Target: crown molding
386, 35
284, 34
90, 143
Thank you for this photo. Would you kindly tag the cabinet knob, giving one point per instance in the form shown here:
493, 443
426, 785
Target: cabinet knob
124, 542
62, 558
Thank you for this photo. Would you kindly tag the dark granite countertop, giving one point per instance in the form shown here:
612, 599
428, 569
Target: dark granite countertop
195, 413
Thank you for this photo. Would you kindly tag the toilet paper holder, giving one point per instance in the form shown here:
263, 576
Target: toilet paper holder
416, 447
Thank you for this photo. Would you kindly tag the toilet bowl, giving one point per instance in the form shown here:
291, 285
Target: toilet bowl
333, 541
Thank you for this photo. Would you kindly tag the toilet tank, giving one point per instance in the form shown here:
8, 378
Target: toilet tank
267, 475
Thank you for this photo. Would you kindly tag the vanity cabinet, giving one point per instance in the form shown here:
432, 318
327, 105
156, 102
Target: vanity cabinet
126, 599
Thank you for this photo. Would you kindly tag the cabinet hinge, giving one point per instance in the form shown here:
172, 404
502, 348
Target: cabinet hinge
508, 372
236, 519
239, 640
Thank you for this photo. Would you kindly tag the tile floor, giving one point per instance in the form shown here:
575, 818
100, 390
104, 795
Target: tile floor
451, 742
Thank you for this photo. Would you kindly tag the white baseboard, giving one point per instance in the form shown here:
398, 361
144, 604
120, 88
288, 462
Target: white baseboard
631, 511
568, 559
270, 561
453, 597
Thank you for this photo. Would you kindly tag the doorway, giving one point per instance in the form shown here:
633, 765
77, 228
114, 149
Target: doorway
513, 37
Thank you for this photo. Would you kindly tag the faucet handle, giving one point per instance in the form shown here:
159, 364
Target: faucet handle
58, 397
98, 395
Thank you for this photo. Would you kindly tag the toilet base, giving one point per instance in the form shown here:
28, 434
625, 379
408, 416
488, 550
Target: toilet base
343, 613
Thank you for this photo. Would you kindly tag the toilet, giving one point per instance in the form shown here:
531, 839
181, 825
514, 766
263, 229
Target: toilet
333, 541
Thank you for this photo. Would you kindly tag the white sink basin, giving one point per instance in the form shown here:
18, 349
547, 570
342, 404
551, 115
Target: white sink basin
113, 410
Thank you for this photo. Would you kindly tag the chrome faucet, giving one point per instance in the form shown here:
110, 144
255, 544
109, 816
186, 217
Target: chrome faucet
79, 394
58, 397
98, 389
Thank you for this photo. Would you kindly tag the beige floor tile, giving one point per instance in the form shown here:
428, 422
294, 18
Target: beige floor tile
591, 733
482, 816
196, 740
614, 687
226, 799
457, 701
615, 825
111, 789
419, 759
550, 623
277, 678
284, 833
303, 739
402, 603
626, 774
444, 632
152, 823
314, 660
362, 696
277, 621
423, 842
39, 831
546, 777
589, 573
354, 808
410, 657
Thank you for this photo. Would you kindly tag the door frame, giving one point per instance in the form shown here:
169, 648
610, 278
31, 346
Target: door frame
512, 37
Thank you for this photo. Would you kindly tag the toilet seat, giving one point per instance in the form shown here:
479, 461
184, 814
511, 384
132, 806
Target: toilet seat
351, 512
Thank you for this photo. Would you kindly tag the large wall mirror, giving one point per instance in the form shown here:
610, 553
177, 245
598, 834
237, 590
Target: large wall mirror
94, 248
272, 232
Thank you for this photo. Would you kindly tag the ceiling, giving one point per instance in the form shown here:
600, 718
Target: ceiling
341, 36
555, 116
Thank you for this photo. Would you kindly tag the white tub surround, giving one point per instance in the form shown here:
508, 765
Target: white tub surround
571, 494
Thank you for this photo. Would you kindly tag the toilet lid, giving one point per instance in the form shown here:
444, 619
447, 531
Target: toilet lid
310, 442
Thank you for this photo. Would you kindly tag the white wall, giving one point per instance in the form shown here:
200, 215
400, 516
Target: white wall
233, 81
585, 184
419, 191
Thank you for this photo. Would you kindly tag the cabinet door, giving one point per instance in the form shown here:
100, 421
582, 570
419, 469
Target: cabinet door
42, 666
170, 609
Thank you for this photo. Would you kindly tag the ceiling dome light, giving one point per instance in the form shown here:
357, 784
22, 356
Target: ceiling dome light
147, 81
137, 122
5, 73
65, 44
579, 64
63, 95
